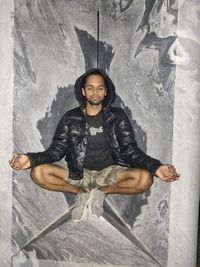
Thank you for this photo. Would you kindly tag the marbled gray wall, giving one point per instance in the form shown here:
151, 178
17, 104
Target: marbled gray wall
6, 134
186, 146
53, 44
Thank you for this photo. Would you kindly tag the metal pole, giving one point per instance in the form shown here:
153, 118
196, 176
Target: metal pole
97, 39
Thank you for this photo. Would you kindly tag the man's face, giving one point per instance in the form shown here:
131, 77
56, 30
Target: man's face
94, 90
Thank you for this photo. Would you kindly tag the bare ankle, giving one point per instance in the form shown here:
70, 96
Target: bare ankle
109, 189
81, 190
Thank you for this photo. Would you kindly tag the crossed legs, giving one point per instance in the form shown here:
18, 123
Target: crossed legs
52, 177
130, 181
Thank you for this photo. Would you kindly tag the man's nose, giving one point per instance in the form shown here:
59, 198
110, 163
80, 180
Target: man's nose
95, 91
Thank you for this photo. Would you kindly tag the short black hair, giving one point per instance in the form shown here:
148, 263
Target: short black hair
95, 72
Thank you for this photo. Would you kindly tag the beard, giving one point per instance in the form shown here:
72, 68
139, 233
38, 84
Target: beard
95, 101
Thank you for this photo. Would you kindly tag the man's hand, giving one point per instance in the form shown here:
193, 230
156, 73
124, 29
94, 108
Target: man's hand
167, 173
19, 162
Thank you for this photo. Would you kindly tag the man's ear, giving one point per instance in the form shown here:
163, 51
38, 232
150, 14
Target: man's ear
83, 91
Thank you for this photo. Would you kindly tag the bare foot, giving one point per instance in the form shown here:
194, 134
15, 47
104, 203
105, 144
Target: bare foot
108, 188
81, 190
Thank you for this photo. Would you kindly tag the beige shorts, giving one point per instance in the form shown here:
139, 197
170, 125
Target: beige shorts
94, 179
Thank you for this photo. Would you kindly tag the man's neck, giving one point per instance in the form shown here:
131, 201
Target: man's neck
93, 110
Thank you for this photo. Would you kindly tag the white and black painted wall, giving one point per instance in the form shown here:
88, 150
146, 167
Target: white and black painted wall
150, 49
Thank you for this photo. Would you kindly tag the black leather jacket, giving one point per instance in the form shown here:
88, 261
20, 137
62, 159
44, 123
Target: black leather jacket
70, 139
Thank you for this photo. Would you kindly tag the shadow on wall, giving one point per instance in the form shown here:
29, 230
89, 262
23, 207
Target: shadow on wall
130, 205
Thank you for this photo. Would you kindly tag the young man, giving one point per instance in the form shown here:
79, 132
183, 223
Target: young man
98, 143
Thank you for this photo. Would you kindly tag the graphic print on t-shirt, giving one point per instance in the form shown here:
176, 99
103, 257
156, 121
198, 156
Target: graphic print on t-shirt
95, 131
98, 154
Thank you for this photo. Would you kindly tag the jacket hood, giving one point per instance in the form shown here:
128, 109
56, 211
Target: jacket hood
79, 84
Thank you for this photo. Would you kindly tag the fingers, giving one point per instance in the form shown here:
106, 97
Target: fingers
171, 178
171, 174
13, 158
14, 162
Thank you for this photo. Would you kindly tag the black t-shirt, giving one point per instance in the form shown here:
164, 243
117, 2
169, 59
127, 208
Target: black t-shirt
98, 153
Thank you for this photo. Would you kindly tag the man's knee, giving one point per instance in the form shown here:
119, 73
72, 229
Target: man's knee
146, 179
38, 175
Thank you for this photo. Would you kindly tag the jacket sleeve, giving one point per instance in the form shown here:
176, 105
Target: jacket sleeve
130, 150
57, 148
